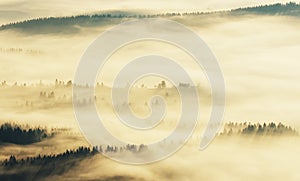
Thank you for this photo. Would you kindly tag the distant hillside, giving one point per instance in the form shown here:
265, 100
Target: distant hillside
288, 9
72, 24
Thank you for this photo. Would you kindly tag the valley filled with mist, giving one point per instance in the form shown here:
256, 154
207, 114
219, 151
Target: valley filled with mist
257, 49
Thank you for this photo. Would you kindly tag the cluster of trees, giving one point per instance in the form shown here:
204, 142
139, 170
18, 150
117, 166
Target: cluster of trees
47, 100
28, 104
11, 49
129, 147
50, 95
10, 133
258, 129
57, 84
162, 85
20, 50
82, 102
43, 167
186, 85
60, 83
4, 83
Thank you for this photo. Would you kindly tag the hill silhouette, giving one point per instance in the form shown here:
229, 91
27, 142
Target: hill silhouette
41, 167
47, 166
73, 24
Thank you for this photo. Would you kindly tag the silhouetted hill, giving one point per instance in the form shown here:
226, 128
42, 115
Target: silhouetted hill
46, 166
73, 24
41, 167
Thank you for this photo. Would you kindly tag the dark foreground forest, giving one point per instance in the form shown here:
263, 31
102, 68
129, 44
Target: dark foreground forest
57, 164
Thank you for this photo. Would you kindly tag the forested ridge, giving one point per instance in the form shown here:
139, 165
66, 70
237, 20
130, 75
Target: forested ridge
71, 24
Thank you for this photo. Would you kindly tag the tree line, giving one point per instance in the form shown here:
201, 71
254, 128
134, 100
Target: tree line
248, 128
38, 160
80, 152
291, 8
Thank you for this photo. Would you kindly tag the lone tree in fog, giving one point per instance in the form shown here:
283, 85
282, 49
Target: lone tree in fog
69, 83
163, 84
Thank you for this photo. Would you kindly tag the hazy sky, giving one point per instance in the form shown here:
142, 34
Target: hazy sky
15, 10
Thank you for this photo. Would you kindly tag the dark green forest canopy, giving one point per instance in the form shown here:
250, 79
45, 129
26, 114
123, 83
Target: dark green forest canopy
12, 133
